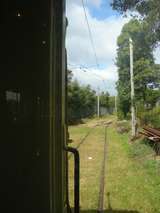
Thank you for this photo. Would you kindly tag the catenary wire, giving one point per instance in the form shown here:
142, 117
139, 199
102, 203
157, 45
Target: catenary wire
90, 33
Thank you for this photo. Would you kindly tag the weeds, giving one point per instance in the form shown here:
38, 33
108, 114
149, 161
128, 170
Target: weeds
140, 149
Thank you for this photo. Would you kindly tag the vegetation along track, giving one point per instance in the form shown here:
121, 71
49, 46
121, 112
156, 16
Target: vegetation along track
89, 132
83, 139
102, 167
102, 176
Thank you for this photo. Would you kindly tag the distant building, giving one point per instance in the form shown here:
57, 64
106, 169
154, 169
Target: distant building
106, 111
153, 86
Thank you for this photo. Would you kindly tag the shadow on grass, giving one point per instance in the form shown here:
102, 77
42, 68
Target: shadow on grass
109, 211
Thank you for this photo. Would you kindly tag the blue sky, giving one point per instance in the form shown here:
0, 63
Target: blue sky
106, 26
103, 11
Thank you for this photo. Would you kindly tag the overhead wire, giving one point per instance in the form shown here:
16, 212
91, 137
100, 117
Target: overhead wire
90, 34
86, 69
96, 59
93, 47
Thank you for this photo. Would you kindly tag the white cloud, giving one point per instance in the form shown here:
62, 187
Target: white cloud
105, 33
96, 3
104, 79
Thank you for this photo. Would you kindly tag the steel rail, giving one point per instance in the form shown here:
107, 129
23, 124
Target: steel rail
82, 140
102, 177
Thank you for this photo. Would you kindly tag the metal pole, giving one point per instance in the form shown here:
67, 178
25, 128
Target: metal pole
132, 89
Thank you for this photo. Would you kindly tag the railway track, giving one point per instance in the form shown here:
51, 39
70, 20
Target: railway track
102, 177
83, 140
89, 132
100, 200
85, 137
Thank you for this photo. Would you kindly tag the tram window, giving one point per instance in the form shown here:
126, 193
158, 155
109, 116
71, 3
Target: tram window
12, 96
13, 105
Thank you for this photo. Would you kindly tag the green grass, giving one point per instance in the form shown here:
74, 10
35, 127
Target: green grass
132, 173
77, 133
90, 169
132, 176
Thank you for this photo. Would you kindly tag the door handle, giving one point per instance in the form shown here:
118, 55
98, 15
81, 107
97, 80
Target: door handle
76, 177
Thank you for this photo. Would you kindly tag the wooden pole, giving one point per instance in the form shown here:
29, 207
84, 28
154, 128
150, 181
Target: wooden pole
98, 102
132, 89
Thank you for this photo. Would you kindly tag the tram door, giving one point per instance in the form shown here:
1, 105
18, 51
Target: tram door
24, 107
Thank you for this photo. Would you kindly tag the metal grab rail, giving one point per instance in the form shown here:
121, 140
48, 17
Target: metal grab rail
76, 177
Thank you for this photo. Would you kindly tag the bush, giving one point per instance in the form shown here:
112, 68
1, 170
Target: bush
81, 102
140, 149
151, 117
123, 126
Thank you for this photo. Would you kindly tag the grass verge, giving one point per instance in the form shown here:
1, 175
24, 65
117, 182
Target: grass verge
132, 173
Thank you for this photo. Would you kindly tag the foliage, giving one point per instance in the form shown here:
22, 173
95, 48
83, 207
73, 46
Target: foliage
149, 11
69, 76
145, 71
81, 101
140, 149
151, 117
152, 97
112, 101
107, 102
123, 126
104, 99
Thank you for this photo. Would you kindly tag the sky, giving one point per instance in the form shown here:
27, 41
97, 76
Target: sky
106, 26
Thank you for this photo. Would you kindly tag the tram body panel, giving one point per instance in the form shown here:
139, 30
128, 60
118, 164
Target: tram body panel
32, 97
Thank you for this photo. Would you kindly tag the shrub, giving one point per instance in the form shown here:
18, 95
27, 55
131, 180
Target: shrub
151, 117
123, 126
140, 149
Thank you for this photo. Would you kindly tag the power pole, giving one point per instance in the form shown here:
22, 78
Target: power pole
116, 105
98, 102
132, 89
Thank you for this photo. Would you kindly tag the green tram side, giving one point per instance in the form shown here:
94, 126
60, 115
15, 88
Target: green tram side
33, 153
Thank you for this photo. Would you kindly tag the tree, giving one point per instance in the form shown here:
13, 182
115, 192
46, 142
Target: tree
69, 76
144, 73
144, 67
149, 11
81, 101
104, 99
112, 102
